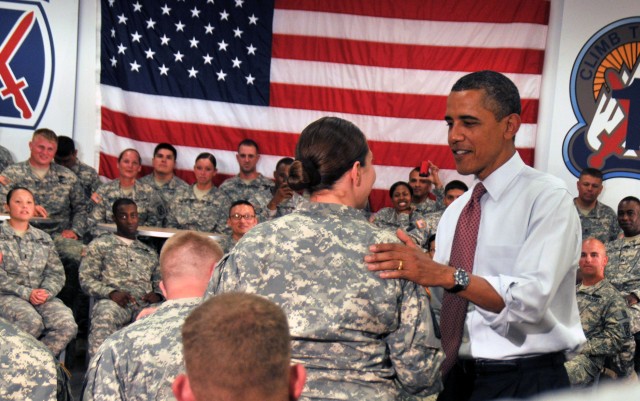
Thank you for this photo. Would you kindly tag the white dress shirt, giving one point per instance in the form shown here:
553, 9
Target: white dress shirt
529, 244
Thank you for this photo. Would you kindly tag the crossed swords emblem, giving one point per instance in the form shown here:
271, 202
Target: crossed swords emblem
14, 87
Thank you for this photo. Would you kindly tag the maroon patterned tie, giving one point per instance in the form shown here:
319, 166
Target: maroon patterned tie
463, 250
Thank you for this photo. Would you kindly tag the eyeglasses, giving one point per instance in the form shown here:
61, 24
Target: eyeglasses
239, 217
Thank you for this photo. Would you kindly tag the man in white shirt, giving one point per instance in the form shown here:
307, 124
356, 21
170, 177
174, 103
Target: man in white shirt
522, 315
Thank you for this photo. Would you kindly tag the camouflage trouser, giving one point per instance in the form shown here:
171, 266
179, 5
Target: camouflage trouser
52, 322
583, 370
107, 317
70, 252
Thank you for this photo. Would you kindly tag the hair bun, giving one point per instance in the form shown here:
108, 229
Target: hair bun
312, 172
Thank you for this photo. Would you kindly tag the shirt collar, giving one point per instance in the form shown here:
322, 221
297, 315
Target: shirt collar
498, 181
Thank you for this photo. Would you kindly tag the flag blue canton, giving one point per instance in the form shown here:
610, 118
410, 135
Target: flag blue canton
203, 49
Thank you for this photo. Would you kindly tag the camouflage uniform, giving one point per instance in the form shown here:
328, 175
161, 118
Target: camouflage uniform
432, 220
606, 324
109, 265
88, 177
601, 223
187, 212
359, 337
623, 271
227, 243
151, 208
59, 192
169, 190
141, 360
28, 370
412, 223
288, 206
28, 263
5, 158
429, 205
258, 192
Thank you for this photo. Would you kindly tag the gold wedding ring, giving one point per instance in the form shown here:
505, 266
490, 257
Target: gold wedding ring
400, 265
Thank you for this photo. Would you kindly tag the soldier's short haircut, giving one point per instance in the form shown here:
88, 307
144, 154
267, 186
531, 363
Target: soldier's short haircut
456, 184
14, 189
66, 146
45, 133
188, 253
237, 344
501, 94
287, 161
241, 202
168, 146
249, 142
326, 150
592, 172
121, 202
630, 199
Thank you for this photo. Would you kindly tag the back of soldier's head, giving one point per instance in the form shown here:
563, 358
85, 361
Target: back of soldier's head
188, 255
237, 347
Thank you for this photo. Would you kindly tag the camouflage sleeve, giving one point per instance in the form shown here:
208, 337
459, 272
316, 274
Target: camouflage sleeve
614, 229
155, 278
102, 382
90, 272
439, 193
10, 174
157, 212
414, 350
79, 209
53, 275
615, 331
224, 278
9, 286
98, 215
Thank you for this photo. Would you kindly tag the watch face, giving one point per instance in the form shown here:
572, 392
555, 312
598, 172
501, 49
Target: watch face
462, 278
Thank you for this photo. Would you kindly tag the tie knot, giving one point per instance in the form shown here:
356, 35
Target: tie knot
478, 191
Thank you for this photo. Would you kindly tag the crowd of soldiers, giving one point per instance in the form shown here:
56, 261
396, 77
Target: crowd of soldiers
71, 253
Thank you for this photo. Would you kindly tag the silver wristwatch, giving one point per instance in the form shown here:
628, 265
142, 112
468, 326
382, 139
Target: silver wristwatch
461, 280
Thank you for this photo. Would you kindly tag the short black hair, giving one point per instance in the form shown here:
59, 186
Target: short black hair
14, 189
168, 146
501, 94
121, 202
241, 202
456, 184
592, 172
629, 199
287, 161
66, 146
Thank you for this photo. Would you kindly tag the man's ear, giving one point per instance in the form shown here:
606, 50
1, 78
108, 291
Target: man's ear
513, 125
162, 289
182, 388
297, 378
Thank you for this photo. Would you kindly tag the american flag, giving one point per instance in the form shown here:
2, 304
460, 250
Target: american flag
205, 74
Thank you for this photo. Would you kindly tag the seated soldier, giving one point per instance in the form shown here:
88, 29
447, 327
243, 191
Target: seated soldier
121, 273
603, 313
242, 218
422, 184
67, 156
141, 360
163, 178
28, 369
249, 184
285, 200
31, 275
237, 347
151, 208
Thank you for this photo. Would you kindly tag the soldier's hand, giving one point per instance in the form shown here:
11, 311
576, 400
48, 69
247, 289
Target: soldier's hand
4, 180
38, 296
152, 298
122, 298
96, 198
69, 234
282, 193
41, 211
631, 299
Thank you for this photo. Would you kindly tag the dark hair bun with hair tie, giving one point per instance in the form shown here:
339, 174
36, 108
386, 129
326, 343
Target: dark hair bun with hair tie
312, 171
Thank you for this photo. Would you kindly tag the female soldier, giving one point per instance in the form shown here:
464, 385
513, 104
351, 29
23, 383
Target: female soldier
359, 337
403, 214
201, 206
31, 275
